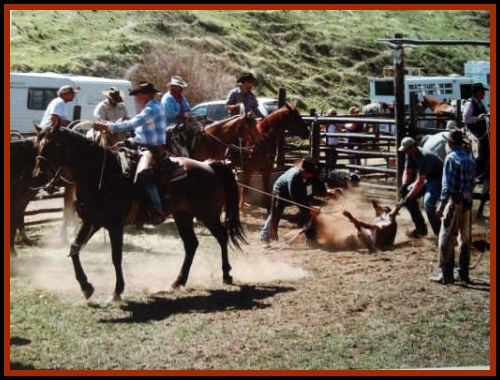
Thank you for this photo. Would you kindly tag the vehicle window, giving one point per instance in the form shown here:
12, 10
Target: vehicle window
39, 98
200, 111
217, 112
270, 106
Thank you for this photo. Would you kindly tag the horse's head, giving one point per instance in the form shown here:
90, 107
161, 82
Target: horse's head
285, 118
51, 152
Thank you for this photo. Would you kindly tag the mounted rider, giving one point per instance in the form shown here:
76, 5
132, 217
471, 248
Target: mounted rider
149, 133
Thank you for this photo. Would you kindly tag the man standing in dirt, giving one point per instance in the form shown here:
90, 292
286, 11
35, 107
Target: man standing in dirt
455, 209
422, 176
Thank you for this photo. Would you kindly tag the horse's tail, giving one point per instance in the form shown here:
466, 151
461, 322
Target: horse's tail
232, 221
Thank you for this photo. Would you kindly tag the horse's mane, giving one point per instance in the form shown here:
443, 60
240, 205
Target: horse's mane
214, 126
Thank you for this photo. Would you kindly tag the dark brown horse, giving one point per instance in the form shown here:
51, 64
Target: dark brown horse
261, 160
104, 193
24, 188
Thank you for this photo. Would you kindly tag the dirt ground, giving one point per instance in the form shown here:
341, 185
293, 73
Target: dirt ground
307, 290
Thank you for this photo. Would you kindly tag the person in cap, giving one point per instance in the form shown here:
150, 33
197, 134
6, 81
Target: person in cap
149, 132
112, 107
175, 104
455, 206
475, 118
296, 185
421, 177
56, 113
242, 98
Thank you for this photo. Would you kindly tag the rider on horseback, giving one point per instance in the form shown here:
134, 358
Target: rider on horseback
149, 127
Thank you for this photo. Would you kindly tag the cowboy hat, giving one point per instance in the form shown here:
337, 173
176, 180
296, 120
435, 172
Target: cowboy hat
479, 86
144, 87
456, 136
246, 77
177, 81
114, 94
66, 89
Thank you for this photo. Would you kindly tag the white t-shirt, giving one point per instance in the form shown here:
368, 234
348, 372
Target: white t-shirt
56, 107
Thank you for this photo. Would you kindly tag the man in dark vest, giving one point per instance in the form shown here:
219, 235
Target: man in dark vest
474, 117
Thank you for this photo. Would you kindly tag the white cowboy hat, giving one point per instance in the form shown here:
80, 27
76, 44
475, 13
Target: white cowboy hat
177, 81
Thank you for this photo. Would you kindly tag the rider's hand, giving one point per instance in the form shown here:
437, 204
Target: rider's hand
481, 117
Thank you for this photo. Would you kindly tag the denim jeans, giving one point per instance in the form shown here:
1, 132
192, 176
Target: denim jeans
431, 192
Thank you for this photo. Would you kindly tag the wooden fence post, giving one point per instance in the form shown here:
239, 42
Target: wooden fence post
314, 137
280, 144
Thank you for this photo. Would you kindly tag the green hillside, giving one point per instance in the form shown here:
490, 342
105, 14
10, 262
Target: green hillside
322, 57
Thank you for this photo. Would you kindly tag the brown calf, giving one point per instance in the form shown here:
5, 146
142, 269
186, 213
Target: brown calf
382, 232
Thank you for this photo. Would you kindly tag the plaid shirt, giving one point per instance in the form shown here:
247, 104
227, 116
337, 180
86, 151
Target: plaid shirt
458, 175
149, 125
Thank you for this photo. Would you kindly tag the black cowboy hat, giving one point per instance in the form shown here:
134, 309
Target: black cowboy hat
114, 94
479, 86
310, 165
246, 77
144, 87
456, 136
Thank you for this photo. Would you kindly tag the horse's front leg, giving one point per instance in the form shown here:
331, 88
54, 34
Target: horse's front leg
116, 239
83, 236
245, 180
69, 211
266, 186
184, 223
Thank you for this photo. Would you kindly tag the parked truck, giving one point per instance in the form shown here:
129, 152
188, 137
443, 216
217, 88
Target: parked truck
30, 93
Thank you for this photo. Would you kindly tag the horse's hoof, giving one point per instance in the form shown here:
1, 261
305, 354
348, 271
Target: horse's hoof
88, 291
228, 280
116, 297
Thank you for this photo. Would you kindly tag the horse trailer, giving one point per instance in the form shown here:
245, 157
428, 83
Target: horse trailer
441, 88
479, 71
30, 93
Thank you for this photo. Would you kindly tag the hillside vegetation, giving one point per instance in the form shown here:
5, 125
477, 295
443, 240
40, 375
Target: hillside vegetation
323, 58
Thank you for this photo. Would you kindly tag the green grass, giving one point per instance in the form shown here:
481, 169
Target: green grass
325, 57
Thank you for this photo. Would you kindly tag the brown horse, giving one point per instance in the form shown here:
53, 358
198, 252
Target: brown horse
261, 160
211, 141
219, 136
437, 107
104, 192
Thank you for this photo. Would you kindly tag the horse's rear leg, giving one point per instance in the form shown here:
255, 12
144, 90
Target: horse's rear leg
83, 236
220, 233
184, 223
266, 186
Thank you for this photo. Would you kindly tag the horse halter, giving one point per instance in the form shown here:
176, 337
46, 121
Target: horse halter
51, 183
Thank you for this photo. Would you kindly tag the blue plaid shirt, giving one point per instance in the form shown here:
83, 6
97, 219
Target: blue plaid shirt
458, 175
148, 125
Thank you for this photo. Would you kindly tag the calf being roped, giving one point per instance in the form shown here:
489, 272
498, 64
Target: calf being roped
379, 234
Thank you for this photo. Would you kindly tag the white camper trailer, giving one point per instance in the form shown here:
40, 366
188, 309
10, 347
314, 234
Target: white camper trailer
30, 93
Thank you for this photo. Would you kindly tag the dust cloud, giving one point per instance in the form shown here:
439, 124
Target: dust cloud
151, 263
